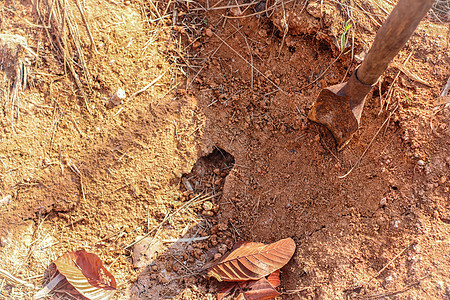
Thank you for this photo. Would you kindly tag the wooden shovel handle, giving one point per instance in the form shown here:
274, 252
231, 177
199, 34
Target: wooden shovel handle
392, 36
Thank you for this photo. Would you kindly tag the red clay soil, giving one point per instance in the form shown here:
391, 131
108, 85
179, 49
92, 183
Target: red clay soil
370, 221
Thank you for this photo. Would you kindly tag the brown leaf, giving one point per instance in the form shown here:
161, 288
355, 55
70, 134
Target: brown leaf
226, 289
274, 278
262, 289
86, 273
258, 290
252, 261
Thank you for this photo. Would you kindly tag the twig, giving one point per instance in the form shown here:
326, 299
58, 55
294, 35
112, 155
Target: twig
83, 17
50, 286
225, 7
261, 73
323, 73
391, 261
392, 293
368, 146
391, 86
212, 55
259, 12
197, 199
446, 88
148, 85
186, 240
410, 74
16, 280
74, 168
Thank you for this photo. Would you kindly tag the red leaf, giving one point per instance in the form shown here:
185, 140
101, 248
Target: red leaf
260, 289
86, 273
274, 278
226, 289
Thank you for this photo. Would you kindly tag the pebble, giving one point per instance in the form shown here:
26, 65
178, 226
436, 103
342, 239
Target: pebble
421, 162
209, 32
383, 202
118, 97
5, 200
396, 223
207, 205
207, 213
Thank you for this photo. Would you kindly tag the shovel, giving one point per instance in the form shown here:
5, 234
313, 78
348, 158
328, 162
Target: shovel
339, 107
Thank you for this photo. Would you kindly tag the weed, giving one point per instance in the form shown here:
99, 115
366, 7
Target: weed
344, 37
408, 99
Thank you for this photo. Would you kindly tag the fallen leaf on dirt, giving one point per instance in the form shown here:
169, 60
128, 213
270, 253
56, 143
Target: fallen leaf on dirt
262, 289
252, 261
86, 273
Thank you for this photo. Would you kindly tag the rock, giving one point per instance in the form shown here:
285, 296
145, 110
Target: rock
145, 251
117, 98
207, 205
209, 32
207, 213
421, 162
5, 200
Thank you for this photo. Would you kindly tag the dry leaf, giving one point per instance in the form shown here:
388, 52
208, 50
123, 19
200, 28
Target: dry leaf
252, 261
226, 289
262, 289
86, 273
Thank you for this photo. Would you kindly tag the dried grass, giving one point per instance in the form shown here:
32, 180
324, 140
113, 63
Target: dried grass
16, 60
63, 33
441, 11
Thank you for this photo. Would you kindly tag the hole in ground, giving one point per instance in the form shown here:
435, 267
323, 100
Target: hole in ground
208, 173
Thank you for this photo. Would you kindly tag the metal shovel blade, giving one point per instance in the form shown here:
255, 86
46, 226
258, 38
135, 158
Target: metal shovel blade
339, 108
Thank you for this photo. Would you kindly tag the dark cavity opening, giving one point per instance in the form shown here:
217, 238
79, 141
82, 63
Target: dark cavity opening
208, 173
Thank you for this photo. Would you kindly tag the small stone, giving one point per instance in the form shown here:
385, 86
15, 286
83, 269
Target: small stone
207, 205
396, 223
207, 213
209, 32
5, 200
421, 162
383, 202
117, 98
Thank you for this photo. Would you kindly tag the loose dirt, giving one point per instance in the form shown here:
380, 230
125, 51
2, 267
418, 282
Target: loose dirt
219, 148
